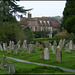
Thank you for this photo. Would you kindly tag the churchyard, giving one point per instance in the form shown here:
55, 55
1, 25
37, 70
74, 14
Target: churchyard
58, 54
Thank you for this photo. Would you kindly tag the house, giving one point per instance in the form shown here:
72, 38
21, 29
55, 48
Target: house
41, 23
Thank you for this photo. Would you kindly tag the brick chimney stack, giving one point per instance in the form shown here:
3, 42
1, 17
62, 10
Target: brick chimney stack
29, 15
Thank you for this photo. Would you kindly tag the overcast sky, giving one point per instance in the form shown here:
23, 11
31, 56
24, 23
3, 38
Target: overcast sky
44, 8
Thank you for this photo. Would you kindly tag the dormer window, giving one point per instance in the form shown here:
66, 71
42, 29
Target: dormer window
45, 22
40, 21
48, 22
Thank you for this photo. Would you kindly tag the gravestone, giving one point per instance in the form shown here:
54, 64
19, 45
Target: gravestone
70, 45
67, 50
18, 44
11, 68
50, 45
10, 47
3, 66
58, 55
4, 46
46, 44
54, 49
41, 47
25, 44
31, 48
54, 43
60, 44
64, 41
22, 51
37, 44
46, 54
42, 56
1, 47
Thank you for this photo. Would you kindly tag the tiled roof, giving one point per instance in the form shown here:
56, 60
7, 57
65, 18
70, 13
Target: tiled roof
41, 21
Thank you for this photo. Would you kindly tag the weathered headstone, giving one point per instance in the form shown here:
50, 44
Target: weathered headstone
4, 46
22, 52
70, 45
25, 44
60, 44
31, 48
18, 44
58, 55
64, 41
42, 56
1, 47
10, 47
3, 66
11, 68
67, 50
46, 54
37, 44
54, 49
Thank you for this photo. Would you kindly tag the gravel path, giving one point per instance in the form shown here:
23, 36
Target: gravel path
65, 69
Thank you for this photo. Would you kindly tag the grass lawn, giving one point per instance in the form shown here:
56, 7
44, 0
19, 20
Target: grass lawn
68, 60
26, 68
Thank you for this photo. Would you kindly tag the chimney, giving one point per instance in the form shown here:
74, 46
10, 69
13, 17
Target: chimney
29, 15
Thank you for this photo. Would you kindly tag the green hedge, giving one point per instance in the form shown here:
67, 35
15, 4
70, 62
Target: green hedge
40, 40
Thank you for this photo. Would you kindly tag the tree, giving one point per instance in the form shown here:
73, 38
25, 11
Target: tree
69, 16
28, 34
9, 8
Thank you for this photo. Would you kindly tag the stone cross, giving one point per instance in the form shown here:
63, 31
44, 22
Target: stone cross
11, 68
46, 54
58, 55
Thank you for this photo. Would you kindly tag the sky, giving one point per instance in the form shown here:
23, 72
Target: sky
44, 8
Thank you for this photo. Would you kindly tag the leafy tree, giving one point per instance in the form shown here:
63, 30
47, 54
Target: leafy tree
11, 31
69, 16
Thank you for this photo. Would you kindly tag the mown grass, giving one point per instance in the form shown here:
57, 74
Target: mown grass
26, 68
68, 60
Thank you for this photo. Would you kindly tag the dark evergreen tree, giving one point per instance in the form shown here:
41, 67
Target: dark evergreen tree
69, 16
9, 8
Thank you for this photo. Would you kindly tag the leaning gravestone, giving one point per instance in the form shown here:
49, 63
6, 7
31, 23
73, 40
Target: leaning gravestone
22, 52
3, 66
46, 54
58, 55
11, 68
